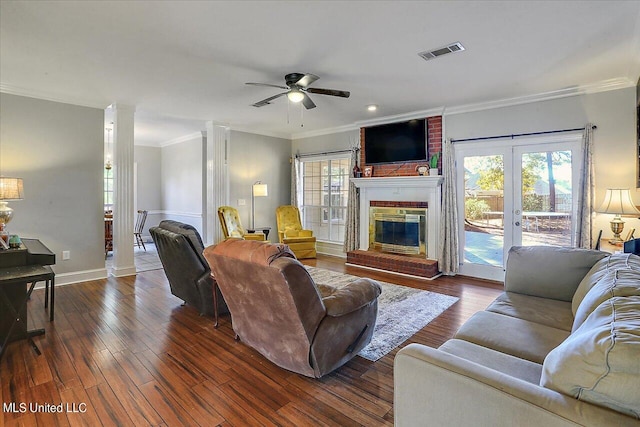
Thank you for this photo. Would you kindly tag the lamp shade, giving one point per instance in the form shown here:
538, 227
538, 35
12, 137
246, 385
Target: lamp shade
11, 188
260, 190
618, 201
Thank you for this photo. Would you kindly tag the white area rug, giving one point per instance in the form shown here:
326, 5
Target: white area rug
402, 311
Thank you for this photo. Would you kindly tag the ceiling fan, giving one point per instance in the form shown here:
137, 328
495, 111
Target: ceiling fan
297, 89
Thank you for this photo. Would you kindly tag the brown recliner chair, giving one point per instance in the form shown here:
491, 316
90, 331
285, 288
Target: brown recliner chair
277, 309
290, 232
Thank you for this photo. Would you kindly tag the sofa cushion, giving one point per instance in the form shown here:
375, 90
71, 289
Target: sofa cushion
613, 262
600, 362
517, 337
615, 283
548, 271
544, 311
501, 362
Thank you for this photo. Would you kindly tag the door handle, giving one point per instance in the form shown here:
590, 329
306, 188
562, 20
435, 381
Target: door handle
517, 223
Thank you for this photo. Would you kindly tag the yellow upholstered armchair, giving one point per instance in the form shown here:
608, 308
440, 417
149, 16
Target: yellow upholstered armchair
301, 242
232, 227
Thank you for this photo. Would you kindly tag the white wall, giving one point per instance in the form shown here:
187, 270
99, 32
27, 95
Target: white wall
149, 181
58, 150
181, 182
613, 112
254, 158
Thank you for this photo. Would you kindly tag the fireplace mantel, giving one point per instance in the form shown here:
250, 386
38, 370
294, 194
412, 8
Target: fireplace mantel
399, 181
407, 189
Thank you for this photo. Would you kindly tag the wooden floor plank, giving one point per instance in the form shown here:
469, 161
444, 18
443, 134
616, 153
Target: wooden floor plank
134, 355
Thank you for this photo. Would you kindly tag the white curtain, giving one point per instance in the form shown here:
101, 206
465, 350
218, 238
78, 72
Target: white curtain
352, 228
586, 191
296, 182
448, 262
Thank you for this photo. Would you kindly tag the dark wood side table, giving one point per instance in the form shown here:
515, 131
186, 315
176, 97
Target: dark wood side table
265, 230
16, 286
605, 246
20, 269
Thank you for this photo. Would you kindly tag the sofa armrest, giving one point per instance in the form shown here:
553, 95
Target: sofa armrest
349, 298
548, 271
437, 388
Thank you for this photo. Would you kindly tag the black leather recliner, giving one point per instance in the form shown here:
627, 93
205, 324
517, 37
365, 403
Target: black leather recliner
180, 249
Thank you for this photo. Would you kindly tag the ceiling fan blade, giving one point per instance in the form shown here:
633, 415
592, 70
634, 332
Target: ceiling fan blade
307, 102
332, 92
267, 101
306, 80
267, 84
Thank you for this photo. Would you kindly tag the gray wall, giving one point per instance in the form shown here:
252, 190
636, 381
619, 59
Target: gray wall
259, 158
323, 143
181, 182
613, 112
149, 194
58, 150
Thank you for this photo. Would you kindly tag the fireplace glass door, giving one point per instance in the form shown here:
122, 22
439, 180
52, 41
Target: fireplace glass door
398, 230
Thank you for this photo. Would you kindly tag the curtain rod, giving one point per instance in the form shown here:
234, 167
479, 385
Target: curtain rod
298, 155
512, 136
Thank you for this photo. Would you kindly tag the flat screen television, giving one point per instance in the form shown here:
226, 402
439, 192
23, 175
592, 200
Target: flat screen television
396, 142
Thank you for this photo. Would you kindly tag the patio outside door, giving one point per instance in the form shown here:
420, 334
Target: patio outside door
515, 194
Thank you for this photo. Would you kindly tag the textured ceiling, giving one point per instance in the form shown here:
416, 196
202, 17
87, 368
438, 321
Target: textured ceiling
177, 60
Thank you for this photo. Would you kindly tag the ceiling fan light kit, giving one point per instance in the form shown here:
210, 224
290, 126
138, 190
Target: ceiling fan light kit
297, 87
295, 95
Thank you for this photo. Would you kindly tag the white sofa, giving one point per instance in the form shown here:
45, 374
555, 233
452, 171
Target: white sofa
560, 347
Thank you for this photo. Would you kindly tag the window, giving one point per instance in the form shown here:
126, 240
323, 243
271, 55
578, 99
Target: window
325, 186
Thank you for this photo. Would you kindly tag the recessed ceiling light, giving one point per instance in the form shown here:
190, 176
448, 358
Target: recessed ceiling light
372, 107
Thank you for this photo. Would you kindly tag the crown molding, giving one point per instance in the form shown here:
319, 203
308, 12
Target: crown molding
603, 86
47, 96
178, 140
372, 122
420, 114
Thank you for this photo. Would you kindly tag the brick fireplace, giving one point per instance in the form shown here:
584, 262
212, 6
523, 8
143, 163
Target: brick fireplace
414, 203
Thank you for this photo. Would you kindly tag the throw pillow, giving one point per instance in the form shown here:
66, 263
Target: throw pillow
600, 363
615, 283
611, 263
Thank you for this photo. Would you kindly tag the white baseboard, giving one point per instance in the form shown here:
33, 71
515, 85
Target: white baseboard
332, 249
123, 272
77, 277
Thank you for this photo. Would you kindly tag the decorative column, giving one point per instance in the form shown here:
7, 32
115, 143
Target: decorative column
217, 180
123, 124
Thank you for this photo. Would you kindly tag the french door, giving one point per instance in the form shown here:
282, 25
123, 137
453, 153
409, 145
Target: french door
521, 192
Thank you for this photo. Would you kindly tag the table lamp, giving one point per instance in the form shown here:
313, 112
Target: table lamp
257, 190
10, 189
617, 201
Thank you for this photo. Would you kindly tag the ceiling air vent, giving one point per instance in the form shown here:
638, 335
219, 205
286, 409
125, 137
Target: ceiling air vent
430, 54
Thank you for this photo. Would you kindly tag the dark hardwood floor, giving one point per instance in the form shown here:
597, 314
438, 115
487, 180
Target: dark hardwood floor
124, 352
